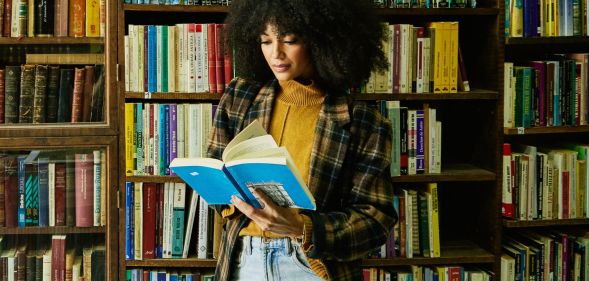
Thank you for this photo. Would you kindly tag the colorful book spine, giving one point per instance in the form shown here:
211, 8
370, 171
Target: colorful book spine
178, 219
129, 222
84, 180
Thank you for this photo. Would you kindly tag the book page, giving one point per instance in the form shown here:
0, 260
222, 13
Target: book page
248, 146
252, 130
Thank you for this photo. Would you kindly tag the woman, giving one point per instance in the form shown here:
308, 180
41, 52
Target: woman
296, 60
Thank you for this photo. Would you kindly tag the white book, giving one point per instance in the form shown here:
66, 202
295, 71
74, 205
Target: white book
203, 229
51, 193
507, 267
438, 163
165, 222
180, 59
194, 146
390, 53
412, 141
532, 194
419, 66
508, 92
190, 222
426, 56
138, 217
103, 189
180, 131
178, 213
97, 186
77, 268
14, 22
158, 57
156, 139
404, 58
191, 73
131, 65
127, 62
172, 59
206, 125
46, 265
408, 224
433, 142
204, 57
201, 85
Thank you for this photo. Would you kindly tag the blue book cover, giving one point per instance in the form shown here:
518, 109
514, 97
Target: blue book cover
151, 59
129, 222
31, 193
252, 161
420, 153
43, 191
178, 219
21, 191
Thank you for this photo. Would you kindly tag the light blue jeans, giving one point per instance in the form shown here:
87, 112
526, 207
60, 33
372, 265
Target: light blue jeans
268, 259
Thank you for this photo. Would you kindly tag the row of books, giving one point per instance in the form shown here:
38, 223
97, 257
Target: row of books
425, 3
181, 2
73, 18
547, 255
547, 93
421, 273
53, 188
155, 134
168, 221
417, 233
417, 139
545, 183
54, 259
421, 60
140, 274
533, 18
188, 57
51, 93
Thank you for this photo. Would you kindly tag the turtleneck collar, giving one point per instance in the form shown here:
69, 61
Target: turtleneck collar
295, 93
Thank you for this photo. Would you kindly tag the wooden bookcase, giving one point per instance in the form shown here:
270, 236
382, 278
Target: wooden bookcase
103, 135
520, 51
470, 181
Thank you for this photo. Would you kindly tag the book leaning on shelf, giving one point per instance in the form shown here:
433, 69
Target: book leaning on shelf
252, 160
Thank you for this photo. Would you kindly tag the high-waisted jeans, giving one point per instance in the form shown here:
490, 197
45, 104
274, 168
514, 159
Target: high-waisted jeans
279, 259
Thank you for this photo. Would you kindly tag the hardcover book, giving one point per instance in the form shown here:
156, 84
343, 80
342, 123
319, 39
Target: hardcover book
252, 160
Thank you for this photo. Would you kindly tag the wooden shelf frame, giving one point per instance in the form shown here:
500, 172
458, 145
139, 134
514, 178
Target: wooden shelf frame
51, 40
507, 223
546, 130
554, 40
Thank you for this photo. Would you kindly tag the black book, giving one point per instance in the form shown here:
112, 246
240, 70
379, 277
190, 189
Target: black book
52, 94
44, 11
27, 93
11, 94
66, 88
97, 106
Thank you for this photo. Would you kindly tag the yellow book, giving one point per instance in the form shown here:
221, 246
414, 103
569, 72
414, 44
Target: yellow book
432, 189
555, 18
31, 18
452, 30
441, 270
580, 186
92, 18
516, 18
436, 46
129, 137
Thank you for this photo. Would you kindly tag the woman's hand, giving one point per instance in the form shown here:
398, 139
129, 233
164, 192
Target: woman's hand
279, 220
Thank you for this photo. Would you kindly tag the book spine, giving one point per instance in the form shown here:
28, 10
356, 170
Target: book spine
173, 133
129, 222
2, 80
178, 219
52, 94
84, 192
92, 18
97, 183
11, 92
87, 89
43, 192
43, 20
27, 82
211, 57
149, 219
77, 18
31, 194
39, 102
78, 95
507, 208
7, 18
420, 142
11, 186
69, 204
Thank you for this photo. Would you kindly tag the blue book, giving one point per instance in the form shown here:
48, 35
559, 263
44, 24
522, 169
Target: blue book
151, 59
252, 160
21, 191
129, 222
420, 152
43, 191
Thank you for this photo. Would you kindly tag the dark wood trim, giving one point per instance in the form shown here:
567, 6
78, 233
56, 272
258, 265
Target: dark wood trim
173, 263
57, 130
451, 173
174, 8
540, 41
31, 230
426, 12
50, 40
546, 130
462, 252
507, 223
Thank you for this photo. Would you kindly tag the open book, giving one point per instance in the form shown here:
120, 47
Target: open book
252, 160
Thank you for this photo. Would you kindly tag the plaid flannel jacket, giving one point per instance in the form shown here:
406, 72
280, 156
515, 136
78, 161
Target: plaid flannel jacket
349, 176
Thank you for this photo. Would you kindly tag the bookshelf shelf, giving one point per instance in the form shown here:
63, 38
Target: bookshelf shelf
427, 12
544, 223
173, 263
450, 173
173, 96
463, 252
175, 8
50, 40
559, 40
546, 130
156, 179
52, 230
472, 95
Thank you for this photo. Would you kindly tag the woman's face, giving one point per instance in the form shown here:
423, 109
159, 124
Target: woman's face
286, 55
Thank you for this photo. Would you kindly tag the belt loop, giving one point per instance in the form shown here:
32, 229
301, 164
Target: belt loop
288, 245
247, 244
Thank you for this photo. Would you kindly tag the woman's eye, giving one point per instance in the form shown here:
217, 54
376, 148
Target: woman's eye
266, 42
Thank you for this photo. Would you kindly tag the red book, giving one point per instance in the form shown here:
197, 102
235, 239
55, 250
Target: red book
78, 95
7, 16
160, 220
61, 18
60, 183
58, 258
149, 210
396, 58
84, 179
11, 190
211, 57
228, 60
219, 59
87, 92
565, 194
454, 273
77, 18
